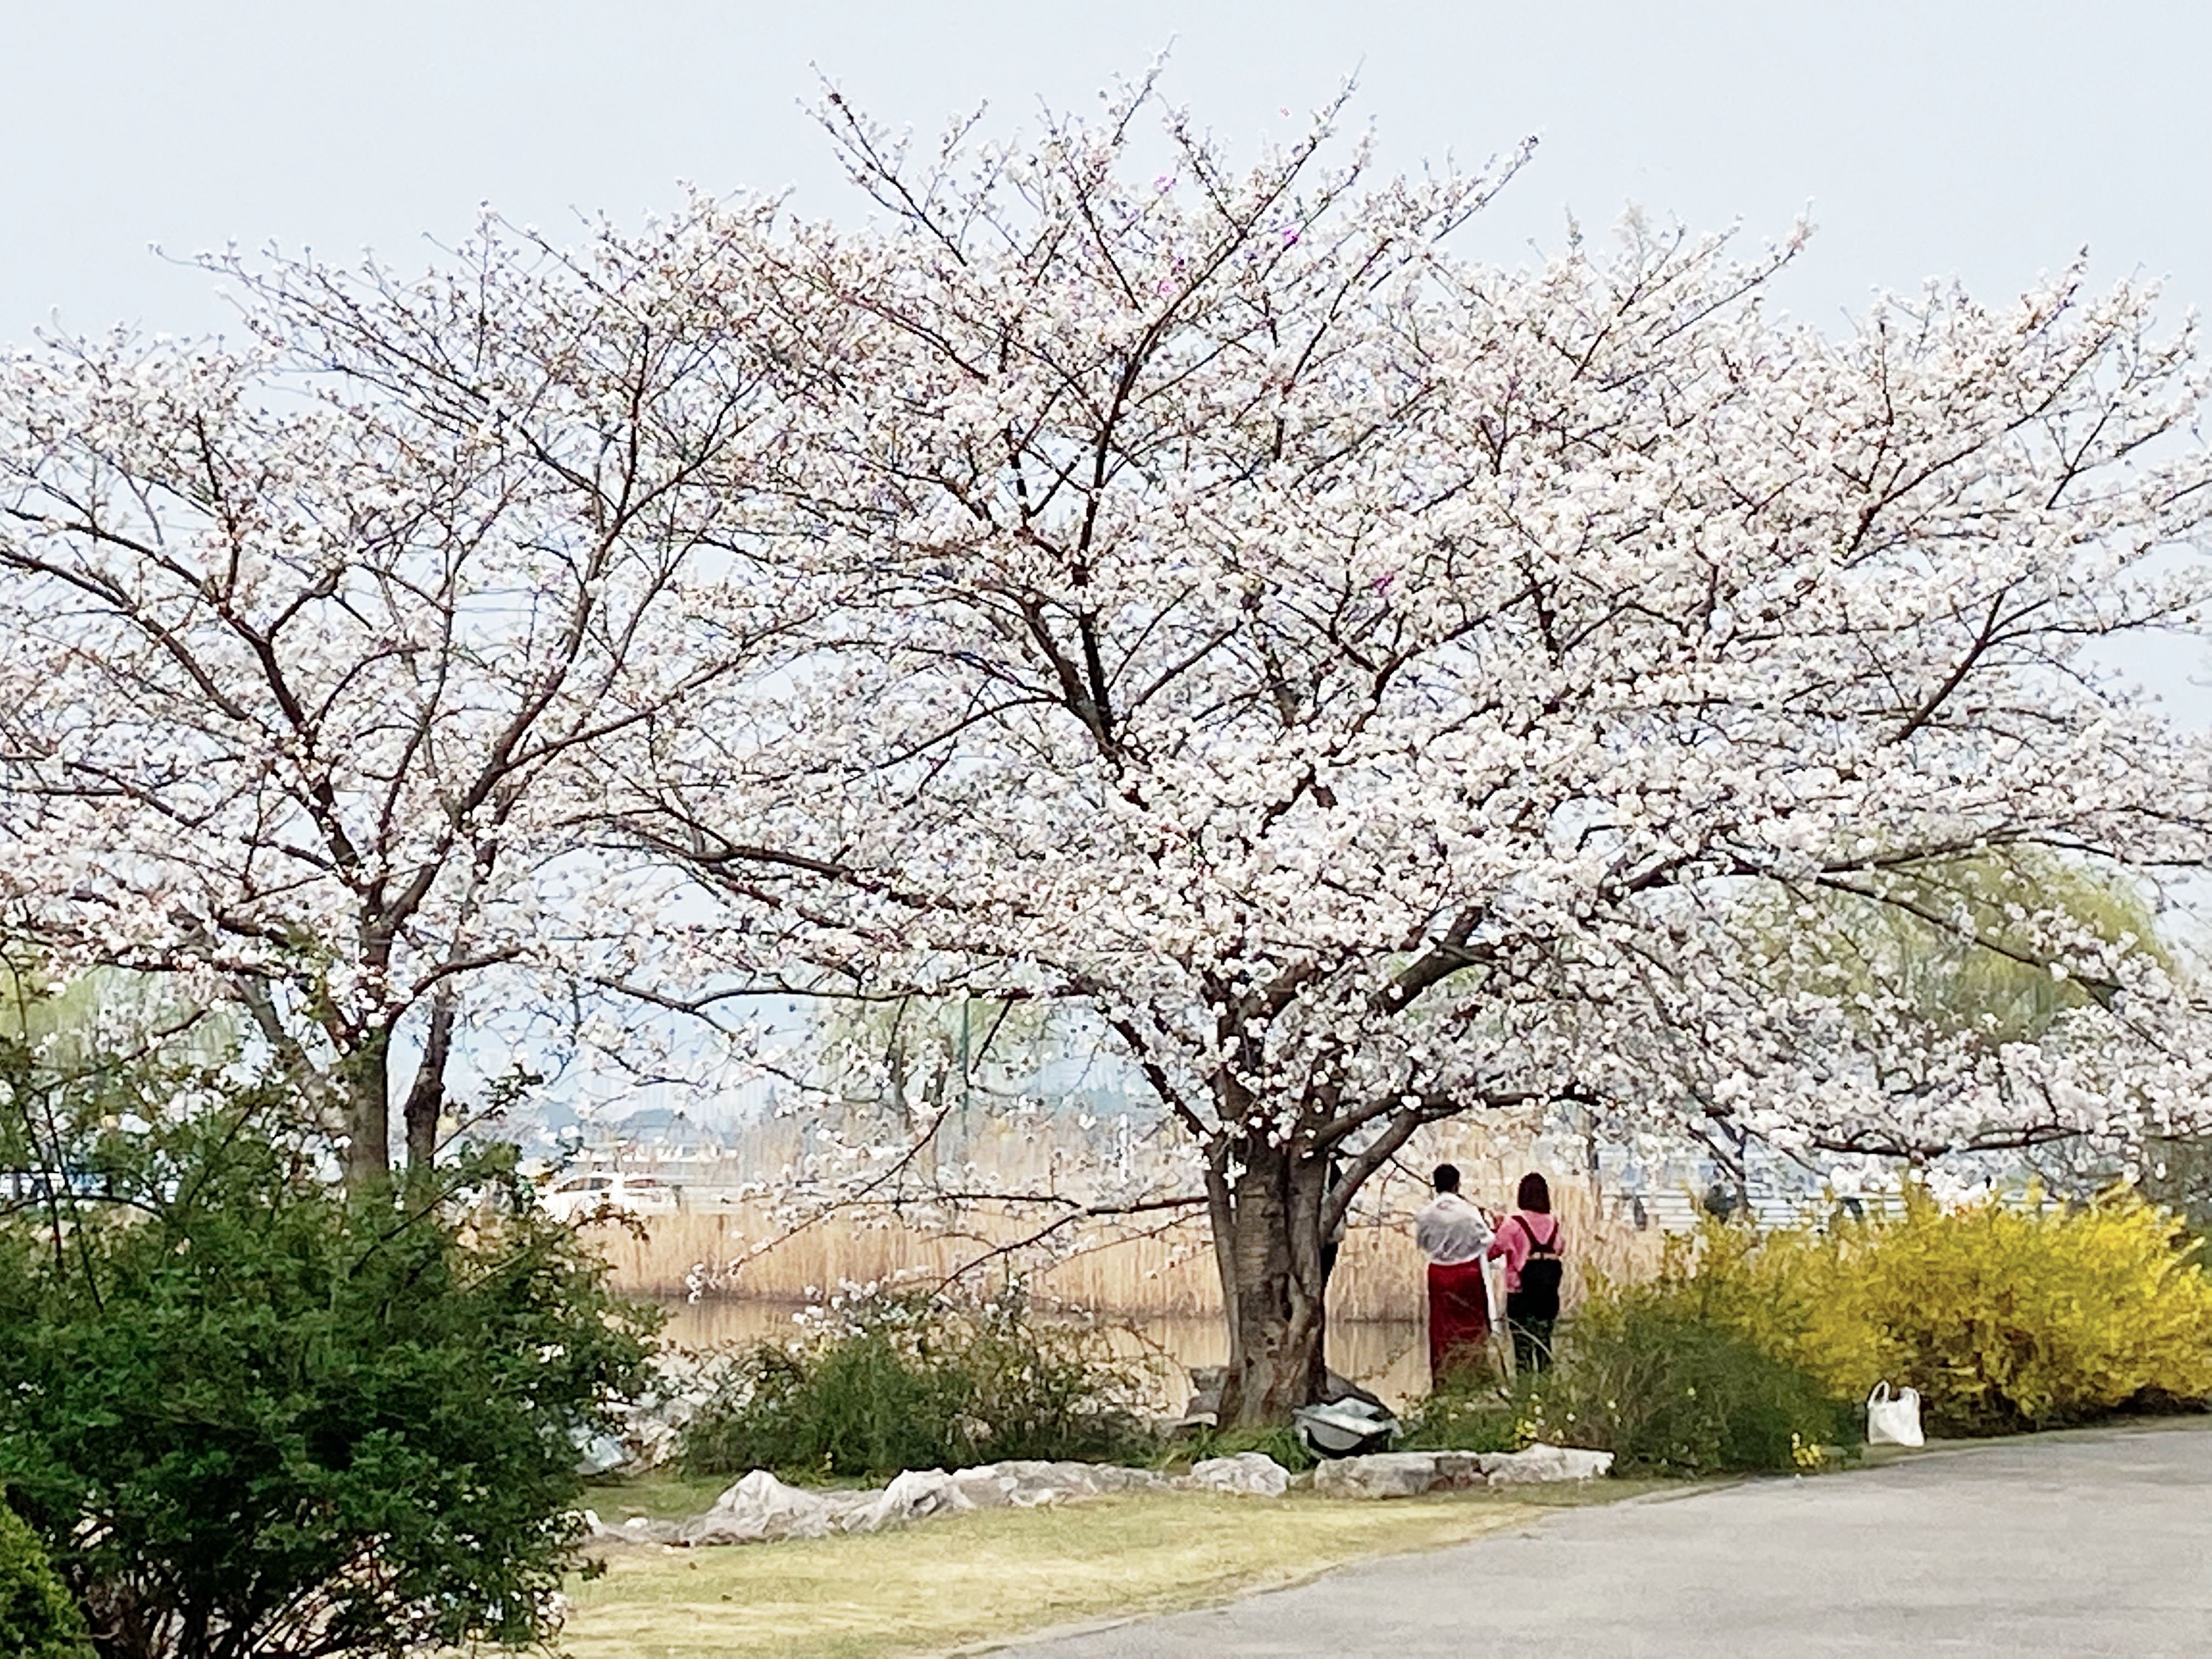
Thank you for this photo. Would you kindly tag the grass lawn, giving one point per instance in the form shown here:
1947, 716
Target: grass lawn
949, 1583
662, 1494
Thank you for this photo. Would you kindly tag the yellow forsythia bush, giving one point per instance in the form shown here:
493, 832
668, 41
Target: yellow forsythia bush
2004, 1315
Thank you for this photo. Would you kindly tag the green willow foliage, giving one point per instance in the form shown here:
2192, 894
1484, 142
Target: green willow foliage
252, 1418
1961, 941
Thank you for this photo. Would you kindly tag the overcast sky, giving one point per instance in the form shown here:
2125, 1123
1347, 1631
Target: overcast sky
1930, 137
1927, 137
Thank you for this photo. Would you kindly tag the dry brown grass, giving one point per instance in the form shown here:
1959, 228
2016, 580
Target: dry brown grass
751, 1250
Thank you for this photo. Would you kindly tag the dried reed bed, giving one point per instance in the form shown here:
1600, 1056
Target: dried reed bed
748, 1249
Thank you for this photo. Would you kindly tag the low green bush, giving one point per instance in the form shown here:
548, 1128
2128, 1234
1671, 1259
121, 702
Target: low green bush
1640, 1372
234, 1401
1668, 1391
917, 1382
1465, 1417
38, 1618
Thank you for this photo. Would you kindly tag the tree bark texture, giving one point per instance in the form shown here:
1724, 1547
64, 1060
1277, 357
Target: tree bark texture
368, 1096
1274, 1282
426, 1099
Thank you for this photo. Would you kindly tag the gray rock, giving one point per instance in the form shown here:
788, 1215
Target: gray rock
915, 1495
1205, 1382
1119, 1477
760, 1507
986, 1489
1541, 1462
642, 1529
1398, 1475
1025, 1483
1247, 1474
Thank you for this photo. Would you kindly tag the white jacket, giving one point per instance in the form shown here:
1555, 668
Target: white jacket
1451, 1231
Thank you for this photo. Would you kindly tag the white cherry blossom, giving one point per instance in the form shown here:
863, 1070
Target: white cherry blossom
1376, 682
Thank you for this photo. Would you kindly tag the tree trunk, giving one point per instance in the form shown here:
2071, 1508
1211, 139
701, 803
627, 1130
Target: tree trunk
366, 1074
1275, 1283
426, 1099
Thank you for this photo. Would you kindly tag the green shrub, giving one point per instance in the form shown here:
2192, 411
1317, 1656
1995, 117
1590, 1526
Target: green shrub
232, 1401
1669, 1392
38, 1619
1280, 1443
1466, 1416
2005, 1315
916, 1383
1642, 1373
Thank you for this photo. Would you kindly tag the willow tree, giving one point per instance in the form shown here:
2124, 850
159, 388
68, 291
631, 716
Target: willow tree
1946, 967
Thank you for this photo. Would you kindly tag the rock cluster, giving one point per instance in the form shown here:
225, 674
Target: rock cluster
1542, 1462
760, 1508
1247, 1474
1409, 1474
1025, 1484
638, 1529
1398, 1475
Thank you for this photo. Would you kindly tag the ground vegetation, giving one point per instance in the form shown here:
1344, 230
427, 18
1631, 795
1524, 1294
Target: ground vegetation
976, 1578
2005, 1315
918, 1382
249, 1415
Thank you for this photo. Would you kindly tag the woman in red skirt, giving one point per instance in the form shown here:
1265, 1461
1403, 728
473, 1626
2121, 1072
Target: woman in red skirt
1455, 1236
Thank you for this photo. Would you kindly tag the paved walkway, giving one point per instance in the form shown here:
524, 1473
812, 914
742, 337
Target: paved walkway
2090, 1543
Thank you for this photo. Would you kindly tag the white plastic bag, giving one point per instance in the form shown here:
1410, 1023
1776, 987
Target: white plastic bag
1493, 1291
1893, 1420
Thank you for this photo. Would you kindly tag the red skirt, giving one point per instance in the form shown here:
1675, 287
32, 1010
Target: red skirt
1459, 1318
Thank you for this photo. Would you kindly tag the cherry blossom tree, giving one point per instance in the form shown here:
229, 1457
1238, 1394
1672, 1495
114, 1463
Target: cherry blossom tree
1376, 682
305, 637
1376, 685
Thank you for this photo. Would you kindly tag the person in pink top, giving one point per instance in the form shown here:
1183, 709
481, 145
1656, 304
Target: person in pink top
1528, 1241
